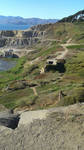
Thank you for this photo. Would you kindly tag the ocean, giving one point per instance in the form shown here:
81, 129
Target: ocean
13, 27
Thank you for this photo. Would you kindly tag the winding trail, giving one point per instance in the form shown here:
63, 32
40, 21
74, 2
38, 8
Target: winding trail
34, 90
65, 52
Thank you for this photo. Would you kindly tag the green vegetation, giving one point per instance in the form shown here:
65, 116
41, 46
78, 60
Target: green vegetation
16, 84
63, 31
75, 66
76, 96
13, 74
17, 98
76, 47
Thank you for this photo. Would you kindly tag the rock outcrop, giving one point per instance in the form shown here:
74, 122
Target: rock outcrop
57, 129
21, 39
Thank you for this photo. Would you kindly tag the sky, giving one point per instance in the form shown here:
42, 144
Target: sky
46, 9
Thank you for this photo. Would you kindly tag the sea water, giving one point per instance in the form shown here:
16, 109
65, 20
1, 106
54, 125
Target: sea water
13, 27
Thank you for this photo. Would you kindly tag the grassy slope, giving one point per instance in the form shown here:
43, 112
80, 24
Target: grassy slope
64, 31
49, 84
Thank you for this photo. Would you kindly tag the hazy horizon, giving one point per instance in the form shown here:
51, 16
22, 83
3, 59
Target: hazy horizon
28, 17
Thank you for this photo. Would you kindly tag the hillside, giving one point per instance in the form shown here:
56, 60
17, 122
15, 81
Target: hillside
23, 86
60, 32
42, 97
79, 16
25, 21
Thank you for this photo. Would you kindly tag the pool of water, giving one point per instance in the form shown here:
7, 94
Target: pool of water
6, 65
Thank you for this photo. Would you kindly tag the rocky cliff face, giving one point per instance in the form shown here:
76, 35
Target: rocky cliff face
21, 38
18, 42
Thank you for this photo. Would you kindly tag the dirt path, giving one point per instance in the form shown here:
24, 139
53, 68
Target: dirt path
34, 90
65, 52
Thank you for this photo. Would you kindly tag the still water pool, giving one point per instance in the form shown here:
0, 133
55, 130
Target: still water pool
6, 65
